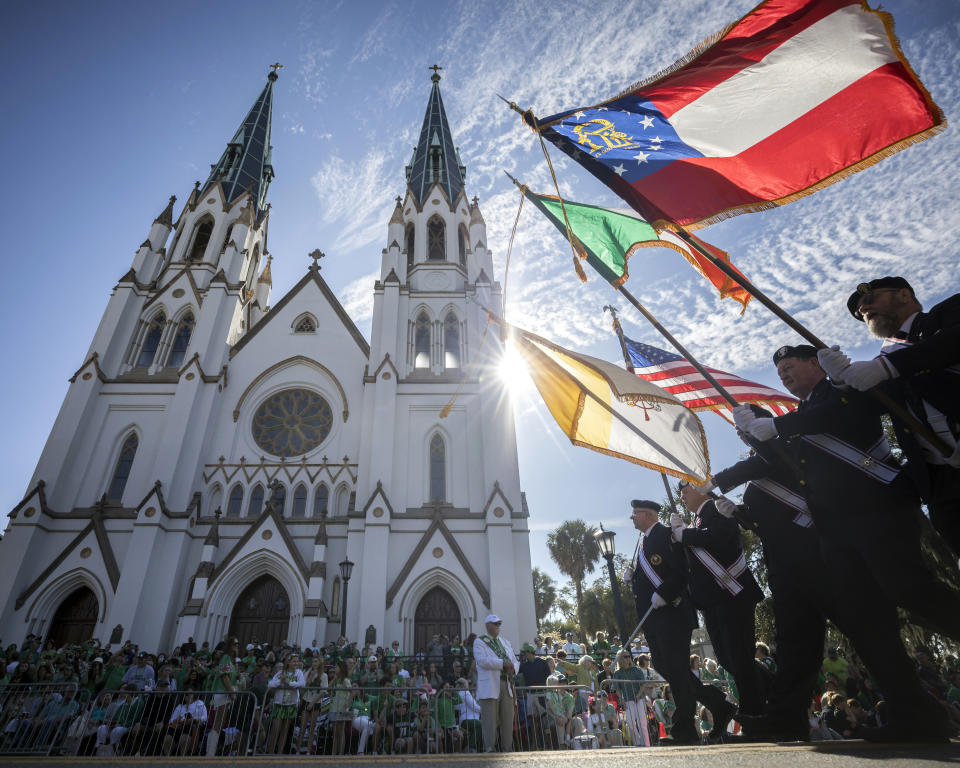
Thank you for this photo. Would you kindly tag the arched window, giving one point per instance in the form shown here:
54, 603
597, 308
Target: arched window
178, 351
438, 454
216, 499
305, 325
235, 504
462, 245
421, 341
436, 232
300, 501
451, 341
410, 241
320, 500
335, 598
252, 267
200, 240
151, 341
122, 471
343, 501
226, 239
256, 502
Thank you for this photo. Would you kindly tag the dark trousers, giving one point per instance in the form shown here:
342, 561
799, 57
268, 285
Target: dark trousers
732, 631
670, 656
944, 504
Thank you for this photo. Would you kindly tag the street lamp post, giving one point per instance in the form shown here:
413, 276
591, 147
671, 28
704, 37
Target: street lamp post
605, 542
346, 568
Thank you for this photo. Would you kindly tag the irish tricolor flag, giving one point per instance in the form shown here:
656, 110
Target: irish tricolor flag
790, 98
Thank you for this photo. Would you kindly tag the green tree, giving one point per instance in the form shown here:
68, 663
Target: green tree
598, 610
544, 594
574, 549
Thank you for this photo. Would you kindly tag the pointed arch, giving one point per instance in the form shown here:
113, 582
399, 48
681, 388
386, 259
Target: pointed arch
321, 498
305, 323
451, 341
422, 329
436, 239
181, 340
439, 577
437, 463
410, 240
256, 501
151, 340
299, 501
201, 238
121, 471
252, 267
343, 500
40, 613
215, 498
235, 503
462, 239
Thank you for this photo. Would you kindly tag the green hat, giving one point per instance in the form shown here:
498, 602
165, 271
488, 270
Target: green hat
528, 647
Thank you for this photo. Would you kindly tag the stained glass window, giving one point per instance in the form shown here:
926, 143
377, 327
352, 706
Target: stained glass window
411, 241
236, 501
320, 499
305, 326
421, 341
256, 502
180, 342
451, 341
437, 467
122, 471
292, 422
462, 245
435, 239
300, 502
151, 341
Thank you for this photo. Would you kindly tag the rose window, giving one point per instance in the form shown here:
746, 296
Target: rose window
292, 422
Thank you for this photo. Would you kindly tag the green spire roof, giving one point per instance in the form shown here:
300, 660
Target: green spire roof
246, 162
435, 160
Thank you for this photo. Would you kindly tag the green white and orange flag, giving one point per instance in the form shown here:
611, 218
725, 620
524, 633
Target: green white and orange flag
606, 239
600, 406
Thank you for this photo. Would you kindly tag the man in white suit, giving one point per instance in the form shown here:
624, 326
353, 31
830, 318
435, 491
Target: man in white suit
495, 672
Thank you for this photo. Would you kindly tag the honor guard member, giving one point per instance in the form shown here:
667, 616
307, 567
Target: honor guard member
722, 588
919, 365
658, 578
865, 511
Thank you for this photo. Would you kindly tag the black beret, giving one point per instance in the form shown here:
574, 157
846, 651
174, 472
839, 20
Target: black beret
645, 504
803, 351
880, 282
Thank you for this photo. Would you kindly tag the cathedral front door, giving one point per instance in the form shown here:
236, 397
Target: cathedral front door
261, 613
437, 614
75, 618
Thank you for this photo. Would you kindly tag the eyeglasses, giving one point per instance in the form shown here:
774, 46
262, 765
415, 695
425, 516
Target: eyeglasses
870, 296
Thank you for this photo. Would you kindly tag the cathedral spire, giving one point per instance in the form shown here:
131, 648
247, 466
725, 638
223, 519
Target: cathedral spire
246, 162
435, 160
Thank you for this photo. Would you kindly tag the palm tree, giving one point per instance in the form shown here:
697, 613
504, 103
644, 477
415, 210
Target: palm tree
574, 549
544, 594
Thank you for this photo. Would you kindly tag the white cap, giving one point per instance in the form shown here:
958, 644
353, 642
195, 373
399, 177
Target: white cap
249, 646
492, 618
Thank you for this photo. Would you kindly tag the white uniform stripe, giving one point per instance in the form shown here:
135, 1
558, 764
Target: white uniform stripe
797, 76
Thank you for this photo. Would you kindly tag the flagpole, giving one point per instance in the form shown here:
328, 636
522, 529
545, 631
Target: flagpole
629, 363
881, 397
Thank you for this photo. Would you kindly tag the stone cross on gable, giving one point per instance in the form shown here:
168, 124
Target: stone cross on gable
316, 255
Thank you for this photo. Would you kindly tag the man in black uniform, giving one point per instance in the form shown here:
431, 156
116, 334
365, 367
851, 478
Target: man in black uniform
864, 509
722, 588
919, 365
658, 578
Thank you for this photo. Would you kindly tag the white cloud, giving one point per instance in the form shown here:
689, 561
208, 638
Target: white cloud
357, 299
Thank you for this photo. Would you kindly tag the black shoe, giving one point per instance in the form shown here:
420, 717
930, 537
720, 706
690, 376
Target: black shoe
721, 720
764, 728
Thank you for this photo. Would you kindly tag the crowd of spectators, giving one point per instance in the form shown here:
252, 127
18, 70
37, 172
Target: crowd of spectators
342, 698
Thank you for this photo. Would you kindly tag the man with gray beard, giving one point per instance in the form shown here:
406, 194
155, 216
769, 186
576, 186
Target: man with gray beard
919, 366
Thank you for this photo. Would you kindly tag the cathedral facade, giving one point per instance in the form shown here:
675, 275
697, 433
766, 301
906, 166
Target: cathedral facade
225, 464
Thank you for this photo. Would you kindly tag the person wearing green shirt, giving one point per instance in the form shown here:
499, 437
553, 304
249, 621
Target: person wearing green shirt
361, 723
447, 702
600, 644
124, 717
223, 682
627, 682
114, 672
426, 735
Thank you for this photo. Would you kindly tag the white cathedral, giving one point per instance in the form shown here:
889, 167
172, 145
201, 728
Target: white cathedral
221, 460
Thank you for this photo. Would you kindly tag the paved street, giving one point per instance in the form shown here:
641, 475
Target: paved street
852, 754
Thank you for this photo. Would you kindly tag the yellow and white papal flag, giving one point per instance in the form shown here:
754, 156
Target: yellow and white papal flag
603, 407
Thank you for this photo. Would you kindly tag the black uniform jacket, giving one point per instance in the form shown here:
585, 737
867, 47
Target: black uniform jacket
836, 487
720, 537
934, 340
667, 560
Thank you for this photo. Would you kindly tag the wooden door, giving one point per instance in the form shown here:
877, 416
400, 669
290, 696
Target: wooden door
437, 614
261, 613
75, 618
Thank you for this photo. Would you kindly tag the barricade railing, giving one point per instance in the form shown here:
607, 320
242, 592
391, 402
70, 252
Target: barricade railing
35, 717
165, 723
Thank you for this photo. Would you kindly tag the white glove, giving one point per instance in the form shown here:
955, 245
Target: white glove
656, 601
867, 374
762, 429
834, 362
726, 507
677, 526
628, 574
706, 487
743, 416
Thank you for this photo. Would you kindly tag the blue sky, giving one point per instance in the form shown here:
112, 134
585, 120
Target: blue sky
112, 107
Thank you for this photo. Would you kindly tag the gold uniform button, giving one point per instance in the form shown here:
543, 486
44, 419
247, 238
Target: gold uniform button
867, 462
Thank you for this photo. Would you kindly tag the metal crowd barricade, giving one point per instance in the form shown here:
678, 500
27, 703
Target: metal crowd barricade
35, 718
166, 723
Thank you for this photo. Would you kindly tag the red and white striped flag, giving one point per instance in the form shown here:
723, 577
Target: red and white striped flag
677, 376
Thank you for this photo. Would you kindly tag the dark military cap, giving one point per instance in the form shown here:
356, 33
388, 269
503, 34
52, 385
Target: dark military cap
803, 351
864, 288
645, 504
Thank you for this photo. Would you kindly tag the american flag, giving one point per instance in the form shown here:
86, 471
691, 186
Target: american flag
677, 376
